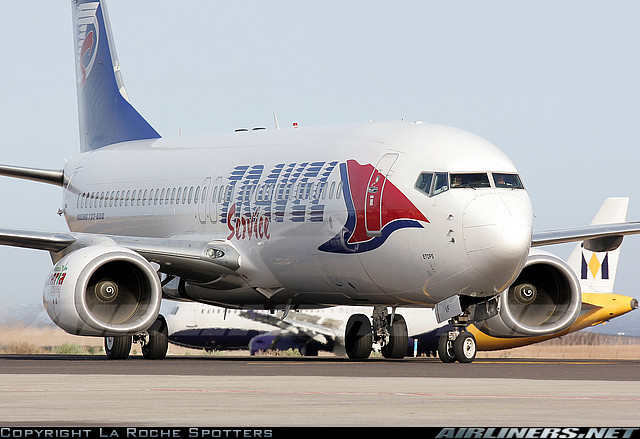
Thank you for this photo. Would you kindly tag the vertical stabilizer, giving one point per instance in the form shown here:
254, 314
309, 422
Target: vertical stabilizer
597, 270
105, 114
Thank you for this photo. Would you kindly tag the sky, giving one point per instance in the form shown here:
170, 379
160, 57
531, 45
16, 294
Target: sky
554, 84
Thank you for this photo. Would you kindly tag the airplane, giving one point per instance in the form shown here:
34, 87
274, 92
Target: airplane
209, 327
388, 215
596, 270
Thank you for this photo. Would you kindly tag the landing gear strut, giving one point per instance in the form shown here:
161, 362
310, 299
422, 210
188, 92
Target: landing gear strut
390, 331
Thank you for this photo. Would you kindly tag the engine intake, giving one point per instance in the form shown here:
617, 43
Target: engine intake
544, 299
103, 291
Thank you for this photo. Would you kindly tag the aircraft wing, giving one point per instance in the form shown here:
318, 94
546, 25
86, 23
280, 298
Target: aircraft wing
601, 236
49, 241
189, 258
314, 331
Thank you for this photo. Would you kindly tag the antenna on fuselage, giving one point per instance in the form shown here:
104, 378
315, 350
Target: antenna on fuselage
275, 120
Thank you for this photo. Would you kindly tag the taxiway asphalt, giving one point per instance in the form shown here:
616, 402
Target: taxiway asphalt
326, 391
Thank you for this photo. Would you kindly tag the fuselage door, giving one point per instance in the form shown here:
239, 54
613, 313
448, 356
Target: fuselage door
202, 200
69, 193
192, 317
374, 193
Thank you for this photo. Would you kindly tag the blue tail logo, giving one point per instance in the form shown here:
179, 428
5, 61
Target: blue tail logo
87, 37
105, 114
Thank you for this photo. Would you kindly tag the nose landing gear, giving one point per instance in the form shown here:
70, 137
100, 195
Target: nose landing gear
458, 344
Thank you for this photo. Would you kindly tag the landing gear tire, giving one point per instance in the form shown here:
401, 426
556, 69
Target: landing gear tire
446, 350
465, 347
117, 348
358, 337
310, 350
158, 340
398, 338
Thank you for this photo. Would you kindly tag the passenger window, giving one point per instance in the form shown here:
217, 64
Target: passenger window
323, 190
214, 195
196, 195
478, 180
510, 181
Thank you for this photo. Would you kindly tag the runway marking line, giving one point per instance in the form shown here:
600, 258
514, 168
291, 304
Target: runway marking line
595, 363
436, 395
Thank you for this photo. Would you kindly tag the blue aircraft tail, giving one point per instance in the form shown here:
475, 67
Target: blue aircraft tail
105, 114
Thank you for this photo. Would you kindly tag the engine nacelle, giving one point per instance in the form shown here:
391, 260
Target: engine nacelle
103, 291
544, 299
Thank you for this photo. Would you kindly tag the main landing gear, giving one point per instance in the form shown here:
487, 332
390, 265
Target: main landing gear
154, 342
387, 330
458, 344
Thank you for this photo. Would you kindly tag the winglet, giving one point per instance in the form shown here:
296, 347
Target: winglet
105, 114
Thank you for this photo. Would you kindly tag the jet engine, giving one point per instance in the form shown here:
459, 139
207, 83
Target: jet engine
103, 291
544, 299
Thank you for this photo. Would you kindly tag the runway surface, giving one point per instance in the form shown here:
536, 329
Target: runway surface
326, 391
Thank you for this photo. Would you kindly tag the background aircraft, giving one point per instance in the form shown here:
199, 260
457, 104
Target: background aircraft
310, 331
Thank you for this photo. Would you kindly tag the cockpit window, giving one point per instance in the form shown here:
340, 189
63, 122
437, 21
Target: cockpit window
441, 184
469, 180
424, 182
433, 183
510, 181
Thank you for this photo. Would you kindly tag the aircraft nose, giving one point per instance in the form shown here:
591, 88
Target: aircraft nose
497, 232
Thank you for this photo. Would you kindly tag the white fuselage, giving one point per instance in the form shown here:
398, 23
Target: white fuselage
303, 210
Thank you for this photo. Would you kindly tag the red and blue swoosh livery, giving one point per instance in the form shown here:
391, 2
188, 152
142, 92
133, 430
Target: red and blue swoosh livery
372, 201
